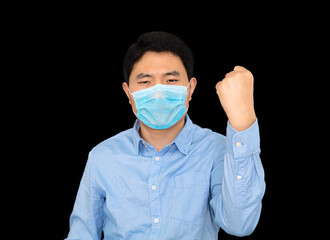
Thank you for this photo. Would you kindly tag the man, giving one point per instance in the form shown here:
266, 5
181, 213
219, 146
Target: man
167, 178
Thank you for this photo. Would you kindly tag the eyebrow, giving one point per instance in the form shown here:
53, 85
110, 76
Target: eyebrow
142, 75
171, 73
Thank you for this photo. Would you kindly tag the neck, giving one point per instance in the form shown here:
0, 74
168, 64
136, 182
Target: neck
159, 138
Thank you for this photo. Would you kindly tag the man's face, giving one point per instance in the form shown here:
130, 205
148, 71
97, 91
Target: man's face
158, 68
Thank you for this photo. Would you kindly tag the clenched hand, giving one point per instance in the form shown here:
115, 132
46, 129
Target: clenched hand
235, 92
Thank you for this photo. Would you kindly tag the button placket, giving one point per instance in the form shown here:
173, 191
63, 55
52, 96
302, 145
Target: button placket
154, 195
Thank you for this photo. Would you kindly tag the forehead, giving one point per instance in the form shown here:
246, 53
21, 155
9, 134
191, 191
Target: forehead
158, 61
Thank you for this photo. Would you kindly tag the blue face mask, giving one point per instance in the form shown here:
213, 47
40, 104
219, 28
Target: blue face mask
160, 106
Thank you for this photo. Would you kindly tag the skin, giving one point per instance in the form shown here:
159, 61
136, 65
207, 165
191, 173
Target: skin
235, 92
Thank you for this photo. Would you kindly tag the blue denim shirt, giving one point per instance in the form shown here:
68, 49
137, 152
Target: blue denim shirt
199, 182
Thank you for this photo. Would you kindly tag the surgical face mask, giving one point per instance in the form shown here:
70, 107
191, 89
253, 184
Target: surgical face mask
160, 106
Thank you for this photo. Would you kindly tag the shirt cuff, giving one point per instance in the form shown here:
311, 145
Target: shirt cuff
243, 144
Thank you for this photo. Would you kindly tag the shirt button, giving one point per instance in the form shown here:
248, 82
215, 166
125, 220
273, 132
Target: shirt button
156, 220
153, 187
239, 177
238, 144
157, 158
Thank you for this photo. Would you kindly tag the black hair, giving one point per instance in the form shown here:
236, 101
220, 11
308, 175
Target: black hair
158, 42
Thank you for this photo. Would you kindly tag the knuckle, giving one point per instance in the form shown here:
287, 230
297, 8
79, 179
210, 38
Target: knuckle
247, 72
219, 87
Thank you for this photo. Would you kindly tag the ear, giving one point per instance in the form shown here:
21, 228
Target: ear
125, 88
193, 83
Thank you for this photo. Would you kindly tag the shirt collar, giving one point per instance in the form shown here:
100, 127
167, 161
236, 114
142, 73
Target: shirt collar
136, 136
182, 141
184, 138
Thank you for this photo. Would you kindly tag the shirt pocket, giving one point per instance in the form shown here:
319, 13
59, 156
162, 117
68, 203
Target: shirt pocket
190, 197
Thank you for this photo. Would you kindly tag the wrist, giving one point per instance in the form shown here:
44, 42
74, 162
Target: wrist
242, 123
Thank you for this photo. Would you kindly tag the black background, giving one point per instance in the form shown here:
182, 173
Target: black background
71, 98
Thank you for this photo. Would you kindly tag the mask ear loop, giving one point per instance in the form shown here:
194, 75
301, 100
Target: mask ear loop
133, 98
188, 84
129, 90
190, 96
187, 89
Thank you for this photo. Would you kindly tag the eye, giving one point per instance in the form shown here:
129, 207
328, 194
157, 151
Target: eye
144, 82
172, 80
